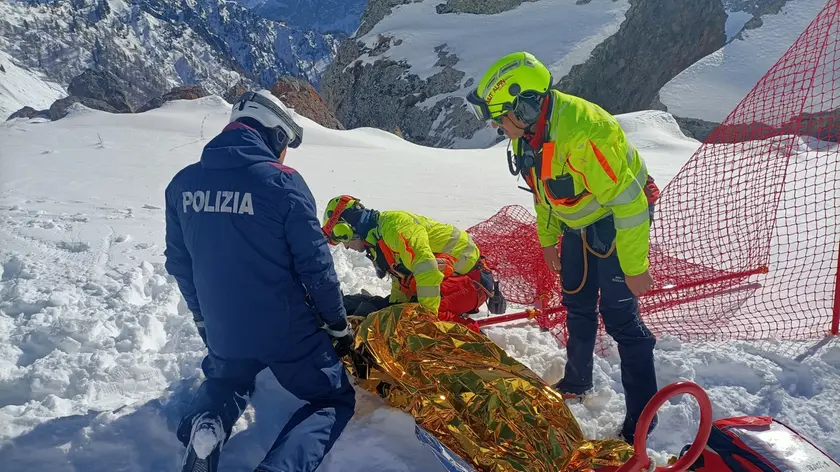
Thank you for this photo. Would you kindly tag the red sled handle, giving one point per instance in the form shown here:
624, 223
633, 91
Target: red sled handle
640, 461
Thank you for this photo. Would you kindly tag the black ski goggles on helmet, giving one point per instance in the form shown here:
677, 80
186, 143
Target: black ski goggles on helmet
282, 138
526, 107
293, 143
482, 110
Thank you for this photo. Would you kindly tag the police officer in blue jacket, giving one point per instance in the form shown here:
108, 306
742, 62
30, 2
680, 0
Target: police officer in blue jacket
244, 243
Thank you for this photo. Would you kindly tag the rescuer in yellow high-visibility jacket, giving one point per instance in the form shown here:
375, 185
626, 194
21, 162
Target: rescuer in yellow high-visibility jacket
592, 194
588, 171
434, 262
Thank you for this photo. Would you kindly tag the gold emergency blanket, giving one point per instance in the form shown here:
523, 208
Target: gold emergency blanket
477, 400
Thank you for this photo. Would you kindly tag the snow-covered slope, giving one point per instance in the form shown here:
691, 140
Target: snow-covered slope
713, 86
20, 86
154, 45
98, 355
474, 38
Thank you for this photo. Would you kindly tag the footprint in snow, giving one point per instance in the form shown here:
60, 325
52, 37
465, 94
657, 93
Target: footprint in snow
15, 268
73, 246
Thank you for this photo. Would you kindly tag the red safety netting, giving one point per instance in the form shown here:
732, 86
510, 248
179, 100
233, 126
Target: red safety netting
745, 239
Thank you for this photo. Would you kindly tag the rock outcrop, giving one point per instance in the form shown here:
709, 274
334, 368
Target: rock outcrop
657, 41
296, 93
96, 89
375, 11
29, 113
757, 8
383, 95
478, 7
696, 128
300, 95
58, 109
101, 86
822, 125
187, 92
234, 92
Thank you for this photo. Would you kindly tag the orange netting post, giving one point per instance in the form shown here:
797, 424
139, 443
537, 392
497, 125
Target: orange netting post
746, 238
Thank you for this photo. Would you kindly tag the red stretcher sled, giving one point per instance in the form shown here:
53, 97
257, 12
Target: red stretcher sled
740, 444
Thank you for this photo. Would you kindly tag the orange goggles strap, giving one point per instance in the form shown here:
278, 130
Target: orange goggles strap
336, 214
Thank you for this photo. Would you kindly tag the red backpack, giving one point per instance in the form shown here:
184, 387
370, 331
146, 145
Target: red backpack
760, 444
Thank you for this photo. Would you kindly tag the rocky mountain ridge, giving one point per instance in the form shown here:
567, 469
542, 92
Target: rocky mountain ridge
102, 90
152, 46
372, 81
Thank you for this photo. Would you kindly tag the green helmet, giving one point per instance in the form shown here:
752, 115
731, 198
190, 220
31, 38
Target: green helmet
510, 79
335, 228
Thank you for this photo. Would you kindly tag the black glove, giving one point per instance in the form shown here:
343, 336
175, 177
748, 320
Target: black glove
343, 337
497, 304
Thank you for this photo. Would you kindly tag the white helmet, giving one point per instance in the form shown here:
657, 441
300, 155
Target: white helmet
270, 112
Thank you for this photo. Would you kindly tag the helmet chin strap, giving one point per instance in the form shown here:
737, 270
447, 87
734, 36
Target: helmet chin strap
501, 132
527, 127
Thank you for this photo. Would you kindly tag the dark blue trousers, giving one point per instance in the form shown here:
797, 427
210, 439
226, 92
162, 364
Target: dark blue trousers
619, 309
313, 374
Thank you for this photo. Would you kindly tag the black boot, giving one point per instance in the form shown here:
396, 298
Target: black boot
628, 430
205, 446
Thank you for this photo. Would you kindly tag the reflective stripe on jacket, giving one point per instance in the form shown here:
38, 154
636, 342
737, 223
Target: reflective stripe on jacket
587, 145
414, 241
